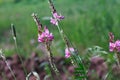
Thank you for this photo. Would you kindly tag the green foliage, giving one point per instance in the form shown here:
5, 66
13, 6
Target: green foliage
87, 23
79, 66
99, 51
108, 57
48, 71
16, 1
80, 72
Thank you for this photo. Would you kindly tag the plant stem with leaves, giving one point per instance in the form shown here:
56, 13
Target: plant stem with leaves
75, 59
15, 41
4, 59
51, 60
45, 37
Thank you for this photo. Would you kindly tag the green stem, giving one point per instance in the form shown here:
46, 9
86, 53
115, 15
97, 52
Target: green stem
60, 31
74, 59
15, 40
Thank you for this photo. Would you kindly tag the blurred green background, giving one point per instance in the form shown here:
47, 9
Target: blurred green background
87, 23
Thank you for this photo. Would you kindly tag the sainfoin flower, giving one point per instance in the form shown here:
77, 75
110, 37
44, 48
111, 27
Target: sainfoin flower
117, 45
45, 36
56, 18
114, 46
111, 46
68, 52
54, 21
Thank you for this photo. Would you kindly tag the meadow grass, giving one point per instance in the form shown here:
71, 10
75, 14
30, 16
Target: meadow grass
86, 22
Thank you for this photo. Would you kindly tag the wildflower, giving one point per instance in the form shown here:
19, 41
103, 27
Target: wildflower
113, 46
68, 52
57, 16
117, 45
54, 21
45, 36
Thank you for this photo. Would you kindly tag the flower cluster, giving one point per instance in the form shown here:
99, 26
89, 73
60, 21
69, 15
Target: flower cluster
56, 18
45, 36
113, 46
68, 52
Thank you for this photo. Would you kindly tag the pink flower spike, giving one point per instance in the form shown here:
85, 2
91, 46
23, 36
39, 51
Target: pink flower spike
54, 21
41, 38
117, 45
68, 52
51, 37
46, 31
46, 36
57, 16
111, 46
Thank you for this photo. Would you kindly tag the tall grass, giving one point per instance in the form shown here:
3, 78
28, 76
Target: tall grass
85, 18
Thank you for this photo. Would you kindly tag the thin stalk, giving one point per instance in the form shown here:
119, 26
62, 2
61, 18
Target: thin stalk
38, 23
51, 60
15, 41
20, 57
4, 59
82, 63
10, 69
60, 31
50, 56
64, 37
67, 44
52, 6
74, 60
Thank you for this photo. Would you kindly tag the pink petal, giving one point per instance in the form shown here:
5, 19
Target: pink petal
57, 16
117, 45
111, 46
68, 53
46, 30
54, 21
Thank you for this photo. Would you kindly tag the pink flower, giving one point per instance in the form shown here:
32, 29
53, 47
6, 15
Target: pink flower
45, 36
57, 16
54, 21
68, 52
117, 45
111, 46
